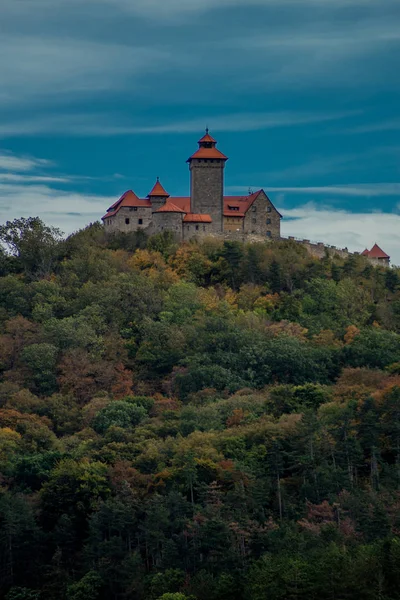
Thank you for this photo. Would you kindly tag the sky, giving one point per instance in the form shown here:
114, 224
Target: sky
101, 96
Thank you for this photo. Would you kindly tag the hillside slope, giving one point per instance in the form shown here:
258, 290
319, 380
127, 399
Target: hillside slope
213, 421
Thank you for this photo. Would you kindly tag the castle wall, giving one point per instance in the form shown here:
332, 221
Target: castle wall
262, 218
167, 221
233, 224
129, 219
207, 189
195, 230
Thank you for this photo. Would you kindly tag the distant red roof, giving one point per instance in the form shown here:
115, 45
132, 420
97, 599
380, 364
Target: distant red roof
158, 191
129, 199
195, 218
377, 252
170, 207
208, 153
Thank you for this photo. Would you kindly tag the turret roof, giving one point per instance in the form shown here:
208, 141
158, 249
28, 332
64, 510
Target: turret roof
208, 153
158, 191
377, 252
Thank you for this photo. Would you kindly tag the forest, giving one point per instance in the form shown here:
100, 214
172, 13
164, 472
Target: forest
200, 421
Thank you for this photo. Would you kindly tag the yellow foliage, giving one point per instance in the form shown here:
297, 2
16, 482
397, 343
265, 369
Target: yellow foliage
144, 260
351, 332
288, 328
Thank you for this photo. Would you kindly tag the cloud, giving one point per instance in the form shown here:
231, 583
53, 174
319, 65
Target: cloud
111, 125
43, 68
68, 210
10, 162
389, 125
340, 228
357, 189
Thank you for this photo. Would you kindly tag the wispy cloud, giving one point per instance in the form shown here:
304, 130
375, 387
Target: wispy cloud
358, 189
389, 125
111, 125
10, 162
44, 68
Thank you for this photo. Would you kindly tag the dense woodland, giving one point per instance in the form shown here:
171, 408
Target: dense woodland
204, 421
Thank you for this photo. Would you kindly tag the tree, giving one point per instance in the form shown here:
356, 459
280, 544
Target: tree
118, 414
41, 360
36, 245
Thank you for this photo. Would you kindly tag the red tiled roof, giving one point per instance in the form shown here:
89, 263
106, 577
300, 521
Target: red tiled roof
158, 190
377, 252
170, 207
207, 138
182, 202
129, 199
365, 253
196, 218
208, 153
234, 213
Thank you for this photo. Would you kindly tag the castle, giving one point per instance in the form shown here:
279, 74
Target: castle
206, 211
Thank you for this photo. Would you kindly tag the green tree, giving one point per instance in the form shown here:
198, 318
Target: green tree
36, 245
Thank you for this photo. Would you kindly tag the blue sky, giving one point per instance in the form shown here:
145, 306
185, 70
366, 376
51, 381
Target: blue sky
101, 96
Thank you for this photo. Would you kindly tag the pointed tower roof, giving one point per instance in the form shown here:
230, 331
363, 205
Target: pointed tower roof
207, 149
377, 252
207, 138
158, 191
365, 253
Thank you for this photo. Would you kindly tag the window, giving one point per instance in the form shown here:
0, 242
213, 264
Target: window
268, 209
204, 227
254, 208
197, 227
135, 208
268, 221
140, 221
268, 234
254, 221
126, 221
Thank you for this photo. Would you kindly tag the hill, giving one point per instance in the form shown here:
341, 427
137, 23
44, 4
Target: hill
206, 421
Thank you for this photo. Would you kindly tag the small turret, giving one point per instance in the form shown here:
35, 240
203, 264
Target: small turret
158, 196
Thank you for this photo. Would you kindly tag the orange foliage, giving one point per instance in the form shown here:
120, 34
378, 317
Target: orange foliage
351, 332
237, 418
84, 376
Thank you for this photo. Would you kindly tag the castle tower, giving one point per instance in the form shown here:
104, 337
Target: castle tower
158, 196
207, 181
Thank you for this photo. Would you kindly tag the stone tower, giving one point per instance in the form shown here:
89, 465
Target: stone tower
158, 196
207, 181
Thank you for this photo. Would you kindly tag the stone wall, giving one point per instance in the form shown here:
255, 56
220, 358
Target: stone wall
129, 219
207, 189
167, 221
320, 250
262, 218
196, 230
233, 223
